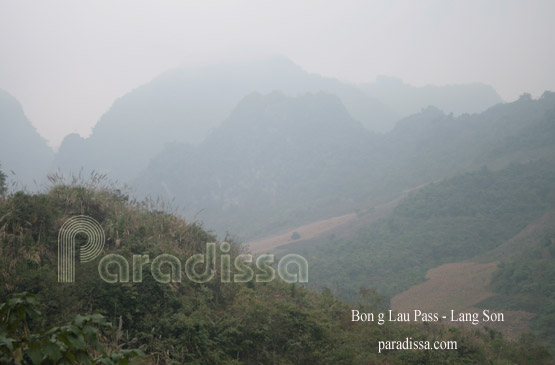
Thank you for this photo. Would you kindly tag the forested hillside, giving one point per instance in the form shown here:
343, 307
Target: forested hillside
462, 218
278, 162
211, 323
277, 182
449, 221
526, 282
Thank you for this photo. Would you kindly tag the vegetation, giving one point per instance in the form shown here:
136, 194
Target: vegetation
211, 323
277, 162
74, 342
527, 282
450, 221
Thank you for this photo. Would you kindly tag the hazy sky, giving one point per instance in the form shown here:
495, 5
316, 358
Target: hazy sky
66, 61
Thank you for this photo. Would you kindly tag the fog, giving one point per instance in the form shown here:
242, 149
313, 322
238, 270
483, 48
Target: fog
384, 157
67, 61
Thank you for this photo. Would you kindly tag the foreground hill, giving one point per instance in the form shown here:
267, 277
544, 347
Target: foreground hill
209, 323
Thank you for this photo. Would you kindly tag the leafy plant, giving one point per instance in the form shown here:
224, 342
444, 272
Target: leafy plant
76, 341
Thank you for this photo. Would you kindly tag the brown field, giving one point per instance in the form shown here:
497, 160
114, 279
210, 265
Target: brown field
456, 286
528, 237
460, 287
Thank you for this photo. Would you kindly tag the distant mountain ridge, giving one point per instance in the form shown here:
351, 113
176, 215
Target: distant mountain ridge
406, 99
433, 141
274, 150
280, 161
22, 149
185, 105
434, 190
262, 158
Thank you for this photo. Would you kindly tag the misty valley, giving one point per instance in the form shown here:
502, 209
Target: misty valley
383, 211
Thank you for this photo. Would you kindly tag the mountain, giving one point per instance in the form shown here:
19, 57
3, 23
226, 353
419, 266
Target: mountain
280, 161
276, 160
432, 145
22, 150
405, 99
185, 105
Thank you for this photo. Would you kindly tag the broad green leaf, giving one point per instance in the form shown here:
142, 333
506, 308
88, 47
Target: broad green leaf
52, 352
35, 355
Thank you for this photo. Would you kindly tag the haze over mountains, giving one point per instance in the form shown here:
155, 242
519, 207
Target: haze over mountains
406, 99
261, 148
224, 138
23, 152
186, 105
284, 182
274, 155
